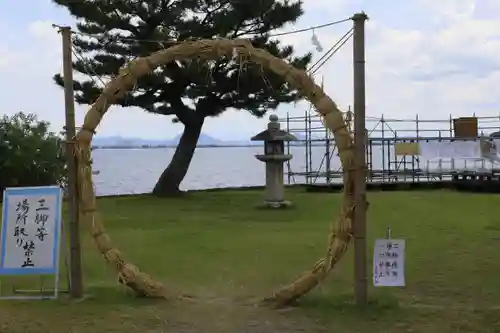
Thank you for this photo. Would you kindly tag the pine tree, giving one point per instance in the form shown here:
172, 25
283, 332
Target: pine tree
122, 30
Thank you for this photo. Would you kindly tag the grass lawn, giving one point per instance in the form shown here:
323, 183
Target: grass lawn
217, 247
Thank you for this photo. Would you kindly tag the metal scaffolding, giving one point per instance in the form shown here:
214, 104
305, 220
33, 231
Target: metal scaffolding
317, 149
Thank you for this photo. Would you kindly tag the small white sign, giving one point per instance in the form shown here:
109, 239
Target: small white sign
31, 225
389, 263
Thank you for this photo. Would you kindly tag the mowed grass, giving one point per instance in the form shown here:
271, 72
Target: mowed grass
219, 248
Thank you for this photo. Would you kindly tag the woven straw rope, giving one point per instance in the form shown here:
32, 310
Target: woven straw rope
203, 50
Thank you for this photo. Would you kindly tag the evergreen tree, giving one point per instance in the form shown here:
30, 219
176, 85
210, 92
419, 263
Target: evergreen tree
191, 91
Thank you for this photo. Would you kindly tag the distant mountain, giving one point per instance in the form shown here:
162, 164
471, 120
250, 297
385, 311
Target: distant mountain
118, 141
204, 140
123, 142
243, 143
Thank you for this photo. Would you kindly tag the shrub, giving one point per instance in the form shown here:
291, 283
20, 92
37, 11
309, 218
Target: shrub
30, 155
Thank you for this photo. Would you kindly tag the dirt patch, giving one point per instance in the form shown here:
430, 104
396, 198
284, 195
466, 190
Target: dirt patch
191, 316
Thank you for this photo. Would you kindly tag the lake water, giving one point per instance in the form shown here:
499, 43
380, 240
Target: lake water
133, 171
124, 171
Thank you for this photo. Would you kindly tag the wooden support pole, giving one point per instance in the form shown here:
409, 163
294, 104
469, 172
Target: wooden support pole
359, 222
76, 279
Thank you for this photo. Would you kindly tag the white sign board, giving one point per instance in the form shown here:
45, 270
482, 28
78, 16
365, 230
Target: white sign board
389, 263
31, 225
450, 149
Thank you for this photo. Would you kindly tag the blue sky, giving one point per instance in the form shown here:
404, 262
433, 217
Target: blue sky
434, 58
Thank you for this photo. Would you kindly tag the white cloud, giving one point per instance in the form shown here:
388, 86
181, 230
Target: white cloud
449, 66
7, 59
450, 10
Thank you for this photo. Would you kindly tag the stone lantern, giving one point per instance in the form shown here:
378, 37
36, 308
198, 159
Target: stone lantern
274, 156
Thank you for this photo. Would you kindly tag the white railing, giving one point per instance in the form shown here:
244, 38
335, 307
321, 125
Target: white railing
447, 165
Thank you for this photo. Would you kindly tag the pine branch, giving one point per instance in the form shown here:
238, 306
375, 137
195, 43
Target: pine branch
126, 29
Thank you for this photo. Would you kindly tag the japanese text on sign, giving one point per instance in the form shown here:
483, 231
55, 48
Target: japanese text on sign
388, 263
31, 223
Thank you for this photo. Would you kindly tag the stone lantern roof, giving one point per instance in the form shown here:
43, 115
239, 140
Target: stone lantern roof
273, 132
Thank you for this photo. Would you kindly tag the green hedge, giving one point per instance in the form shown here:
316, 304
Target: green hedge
30, 155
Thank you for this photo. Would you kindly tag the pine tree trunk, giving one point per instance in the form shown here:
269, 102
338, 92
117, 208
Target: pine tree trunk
171, 178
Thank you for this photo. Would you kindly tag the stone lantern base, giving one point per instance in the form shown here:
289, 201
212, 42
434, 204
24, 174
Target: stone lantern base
275, 204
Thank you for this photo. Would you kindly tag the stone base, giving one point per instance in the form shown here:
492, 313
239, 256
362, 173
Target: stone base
275, 204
